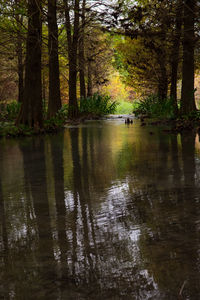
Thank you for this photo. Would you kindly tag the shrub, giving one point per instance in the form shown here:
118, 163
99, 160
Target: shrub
58, 120
12, 110
194, 116
154, 107
9, 112
8, 129
97, 105
63, 113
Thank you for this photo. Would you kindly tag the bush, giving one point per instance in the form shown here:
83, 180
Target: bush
98, 105
62, 114
154, 107
193, 116
12, 110
9, 112
8, 129
58, 120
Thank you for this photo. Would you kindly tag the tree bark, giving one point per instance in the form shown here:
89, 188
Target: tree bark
54, 81
82, 54
163, 81
43, 88
20, 67
175, 55
31, 109
162, 61
187, 93
72, 41
89, 79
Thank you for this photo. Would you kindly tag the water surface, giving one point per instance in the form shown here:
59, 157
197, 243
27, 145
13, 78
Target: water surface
100, 211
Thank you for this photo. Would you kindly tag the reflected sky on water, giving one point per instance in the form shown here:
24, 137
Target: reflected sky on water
100, 211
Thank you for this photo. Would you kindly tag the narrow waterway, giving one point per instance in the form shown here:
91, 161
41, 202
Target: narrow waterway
104, 211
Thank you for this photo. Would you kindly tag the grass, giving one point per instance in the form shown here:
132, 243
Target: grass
124, 108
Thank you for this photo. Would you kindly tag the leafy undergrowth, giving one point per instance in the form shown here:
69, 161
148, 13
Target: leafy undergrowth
58, 121
9, 111
154, 107
97, 105
90, 108
161, 113
9, 129
8, 115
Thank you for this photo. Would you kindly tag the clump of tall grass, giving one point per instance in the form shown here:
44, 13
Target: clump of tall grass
153, 106
9, 111
98, 105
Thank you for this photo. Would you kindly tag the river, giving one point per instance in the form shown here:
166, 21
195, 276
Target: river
103, 210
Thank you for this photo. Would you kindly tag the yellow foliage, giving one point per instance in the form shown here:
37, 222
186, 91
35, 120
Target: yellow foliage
117, 89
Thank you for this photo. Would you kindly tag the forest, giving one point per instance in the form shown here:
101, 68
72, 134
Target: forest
69, 60
99, 149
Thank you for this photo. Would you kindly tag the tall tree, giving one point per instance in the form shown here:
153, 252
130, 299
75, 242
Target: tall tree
89, 78
31, 109
54, 80
19, 51
162, 62
175, 53
72, 28
187, 93
82, 53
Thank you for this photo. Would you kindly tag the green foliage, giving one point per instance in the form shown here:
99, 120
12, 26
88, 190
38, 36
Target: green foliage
62, 114
98, 105
154, 107
124, 107
9, 129
12, 110
9, 112
58, 120
194, 116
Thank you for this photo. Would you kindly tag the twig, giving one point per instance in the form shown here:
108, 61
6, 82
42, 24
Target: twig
182, 287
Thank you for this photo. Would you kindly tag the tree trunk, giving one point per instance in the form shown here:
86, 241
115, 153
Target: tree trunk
175, 55
54, 80
163, 83
89, 81
161, 55
43, 89
187, 93
31, 109
72, 41
82, 54
20, 67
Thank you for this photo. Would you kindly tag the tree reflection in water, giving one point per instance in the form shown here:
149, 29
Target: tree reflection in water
100, 212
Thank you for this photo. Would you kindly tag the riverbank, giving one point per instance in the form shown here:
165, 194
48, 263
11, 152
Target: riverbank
10, 130
174, 126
